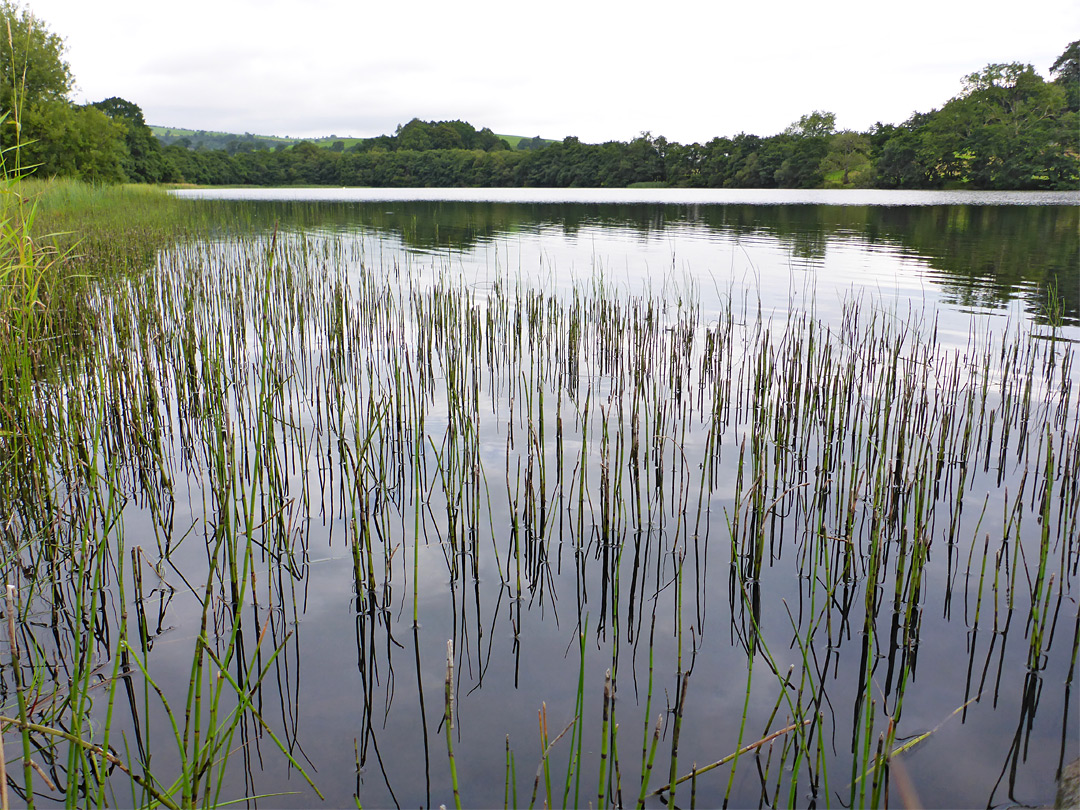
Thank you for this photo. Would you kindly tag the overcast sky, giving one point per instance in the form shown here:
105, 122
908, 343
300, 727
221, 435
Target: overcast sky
599, 70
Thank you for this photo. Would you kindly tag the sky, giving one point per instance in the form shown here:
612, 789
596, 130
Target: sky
688, 71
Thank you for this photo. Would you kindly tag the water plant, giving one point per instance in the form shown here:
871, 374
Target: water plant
269, 436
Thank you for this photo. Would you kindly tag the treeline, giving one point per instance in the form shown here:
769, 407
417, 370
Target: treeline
1009, 128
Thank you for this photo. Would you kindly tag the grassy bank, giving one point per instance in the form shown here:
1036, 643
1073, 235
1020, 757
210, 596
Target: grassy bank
106, 228
58, 239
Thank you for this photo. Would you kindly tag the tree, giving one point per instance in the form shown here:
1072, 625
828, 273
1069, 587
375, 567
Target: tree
1067, 68
55, 137
813, 125
144, 161
996, 76
446, 136
745, 167
800, 149
643, 160
80, 142
531, 144
716, 162
489, 141
33, 72
415, 135
902, 158
848, 152
683, 165
1008, 129
121, 109
32, 65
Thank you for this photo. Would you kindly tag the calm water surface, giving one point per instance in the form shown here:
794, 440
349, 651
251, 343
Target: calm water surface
587, 493
980, 252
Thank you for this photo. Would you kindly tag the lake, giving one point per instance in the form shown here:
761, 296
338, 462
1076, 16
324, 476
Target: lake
793, 473
981, 251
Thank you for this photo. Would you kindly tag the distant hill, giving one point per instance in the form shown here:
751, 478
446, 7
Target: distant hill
212, 139
233, 142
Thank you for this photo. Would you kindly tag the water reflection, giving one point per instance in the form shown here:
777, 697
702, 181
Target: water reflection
788, 537
978, 257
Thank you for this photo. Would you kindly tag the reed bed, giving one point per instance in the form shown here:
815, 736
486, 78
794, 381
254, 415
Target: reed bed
727, 534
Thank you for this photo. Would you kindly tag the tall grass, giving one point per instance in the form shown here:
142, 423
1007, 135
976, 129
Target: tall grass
487, 460
65, 479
